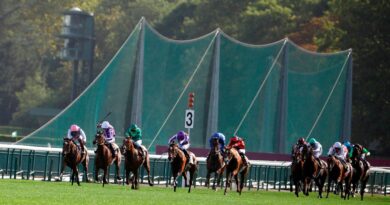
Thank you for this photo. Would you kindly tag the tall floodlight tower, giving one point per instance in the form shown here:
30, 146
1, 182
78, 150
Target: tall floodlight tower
79, 43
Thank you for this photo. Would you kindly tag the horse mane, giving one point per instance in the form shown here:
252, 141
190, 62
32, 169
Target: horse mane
71, 145
176, 148
234, 153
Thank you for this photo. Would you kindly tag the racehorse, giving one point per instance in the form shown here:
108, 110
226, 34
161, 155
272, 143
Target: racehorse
296, 170
104, 158
215, 164
234, 167
362, 168
133, 162
72, 157
179, 165
313, 170
338, 174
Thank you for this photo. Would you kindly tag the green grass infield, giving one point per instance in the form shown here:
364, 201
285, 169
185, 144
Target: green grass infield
38, 192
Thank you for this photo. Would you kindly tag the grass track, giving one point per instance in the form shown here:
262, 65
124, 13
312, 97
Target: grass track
38, 192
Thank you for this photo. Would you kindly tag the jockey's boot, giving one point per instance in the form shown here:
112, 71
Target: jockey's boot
187, 155
344, 163
243, 157
81, 146
141, 153
113, 151
319, 162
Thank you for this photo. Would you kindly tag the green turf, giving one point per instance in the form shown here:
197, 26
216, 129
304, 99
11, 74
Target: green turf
37, 192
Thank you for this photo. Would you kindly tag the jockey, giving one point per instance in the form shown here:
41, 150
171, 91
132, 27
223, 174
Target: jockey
339, 151
135, 133
109, 136
349, 147
239, 144
75, 133
184, 143
365, 153
221, 140
317, 149
298, 146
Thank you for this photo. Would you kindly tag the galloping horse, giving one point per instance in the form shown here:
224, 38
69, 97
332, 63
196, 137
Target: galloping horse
313, 170
234, 167
179, 165
296, 170
133, 161
104, 158
338, 174
72, 157
215, 164
362, 168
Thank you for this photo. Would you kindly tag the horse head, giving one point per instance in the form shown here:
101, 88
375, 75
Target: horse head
127, 145
172, 151
68, 146
99, 138
215, 145
357, 151
297, 156
331, 161
305, 152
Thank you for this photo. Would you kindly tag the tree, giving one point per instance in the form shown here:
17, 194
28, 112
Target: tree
364, 27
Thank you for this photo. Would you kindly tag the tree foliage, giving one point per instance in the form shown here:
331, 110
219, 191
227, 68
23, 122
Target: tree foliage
33, 76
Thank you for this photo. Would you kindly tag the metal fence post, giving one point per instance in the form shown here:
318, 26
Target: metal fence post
46, 162
15, 165
7, 161
50, 170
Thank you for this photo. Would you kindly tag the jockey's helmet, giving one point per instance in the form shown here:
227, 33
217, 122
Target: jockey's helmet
337, 145
180, 135
348, 144
312, 141
235, 139
105, 125
301, 141
134, 129
74, 128
215, 135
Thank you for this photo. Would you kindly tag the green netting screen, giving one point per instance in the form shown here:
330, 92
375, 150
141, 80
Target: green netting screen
268, 94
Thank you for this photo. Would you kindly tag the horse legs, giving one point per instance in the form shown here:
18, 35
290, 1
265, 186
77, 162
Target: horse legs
363, 184
174, 181
328, 189
242, 180
105, 175
218, 177
192, 172
127, 174
340, 188
306, 184
96, 174
319, 182
347, 189
207, 182
134, 184
85, 165
184, 174
228, 180
117, 169
62, 170
75, 174
147, 168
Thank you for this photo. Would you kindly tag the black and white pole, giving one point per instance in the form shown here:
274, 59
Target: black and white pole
190, 113
189, 122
